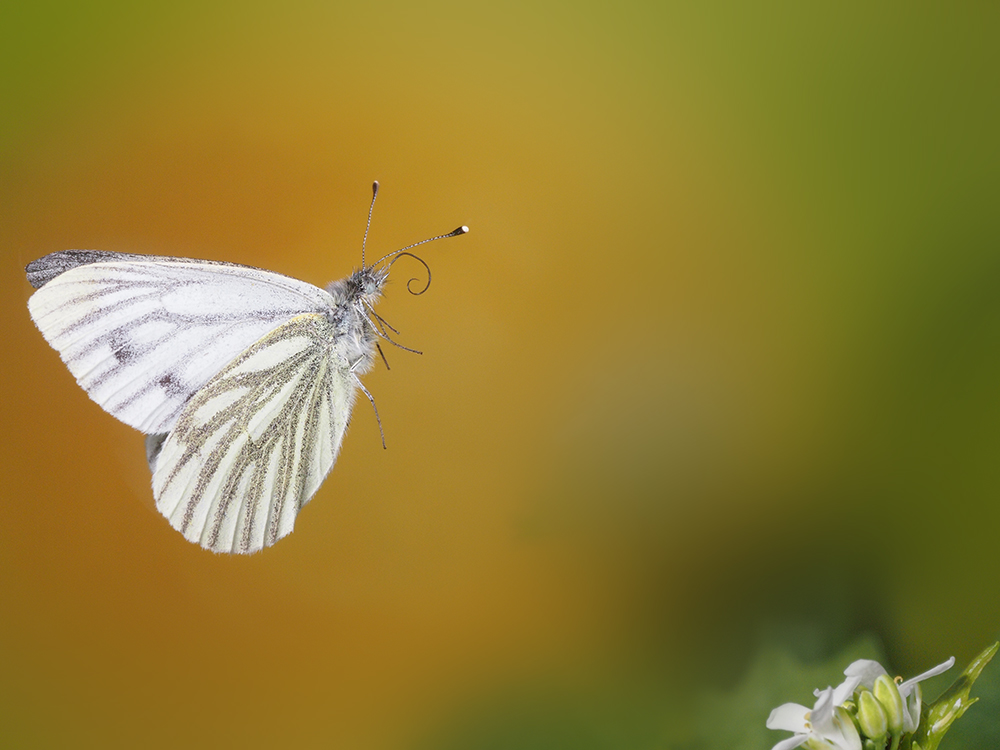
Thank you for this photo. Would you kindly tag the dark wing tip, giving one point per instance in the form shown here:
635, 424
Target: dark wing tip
40, 272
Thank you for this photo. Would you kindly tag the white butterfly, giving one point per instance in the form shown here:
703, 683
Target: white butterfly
242, 379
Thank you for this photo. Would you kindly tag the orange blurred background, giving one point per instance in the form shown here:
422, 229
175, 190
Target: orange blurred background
718, 364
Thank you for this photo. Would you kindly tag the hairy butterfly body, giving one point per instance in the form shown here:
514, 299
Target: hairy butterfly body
242, 379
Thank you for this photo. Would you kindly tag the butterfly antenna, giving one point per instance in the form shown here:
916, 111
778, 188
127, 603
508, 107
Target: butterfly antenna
382, 354
368, 225
453, 233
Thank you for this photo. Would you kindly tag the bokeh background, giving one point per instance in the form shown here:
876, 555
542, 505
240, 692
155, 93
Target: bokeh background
713, 383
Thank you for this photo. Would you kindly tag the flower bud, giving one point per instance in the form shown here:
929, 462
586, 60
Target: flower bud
888, 695
871, 717
845, 723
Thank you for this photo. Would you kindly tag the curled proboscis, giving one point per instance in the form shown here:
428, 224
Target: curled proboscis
423, 263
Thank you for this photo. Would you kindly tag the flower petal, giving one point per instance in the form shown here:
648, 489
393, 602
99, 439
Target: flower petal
791, 742
905, 687
911, 708
850, 739
837, 732
866, 670
789, 716
821, 717
844, 690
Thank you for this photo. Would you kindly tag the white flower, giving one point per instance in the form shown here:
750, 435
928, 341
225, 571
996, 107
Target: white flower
827, 726
865, 672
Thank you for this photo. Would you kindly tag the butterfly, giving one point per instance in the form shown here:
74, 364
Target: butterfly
241, 379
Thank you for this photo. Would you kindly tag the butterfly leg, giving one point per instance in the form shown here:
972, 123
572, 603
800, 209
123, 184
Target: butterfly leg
372, 400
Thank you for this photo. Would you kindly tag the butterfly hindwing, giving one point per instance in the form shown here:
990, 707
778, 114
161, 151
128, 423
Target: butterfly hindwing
141, 334
253, 445
242, 379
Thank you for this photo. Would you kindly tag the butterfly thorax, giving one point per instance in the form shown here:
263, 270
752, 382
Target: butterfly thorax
354, 297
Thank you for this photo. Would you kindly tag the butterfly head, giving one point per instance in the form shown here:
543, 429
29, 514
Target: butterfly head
361, 289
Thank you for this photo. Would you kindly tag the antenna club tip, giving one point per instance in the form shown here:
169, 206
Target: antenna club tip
375, 187
462, 230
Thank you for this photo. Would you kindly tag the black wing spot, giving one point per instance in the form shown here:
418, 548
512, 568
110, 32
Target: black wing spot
124, 354
121, 347
171, 385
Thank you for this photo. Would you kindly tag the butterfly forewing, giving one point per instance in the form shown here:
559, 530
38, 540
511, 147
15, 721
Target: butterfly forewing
242, 379
141, 336
254, 444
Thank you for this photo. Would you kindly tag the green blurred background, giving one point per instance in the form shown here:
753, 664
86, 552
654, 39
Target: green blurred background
716, 374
